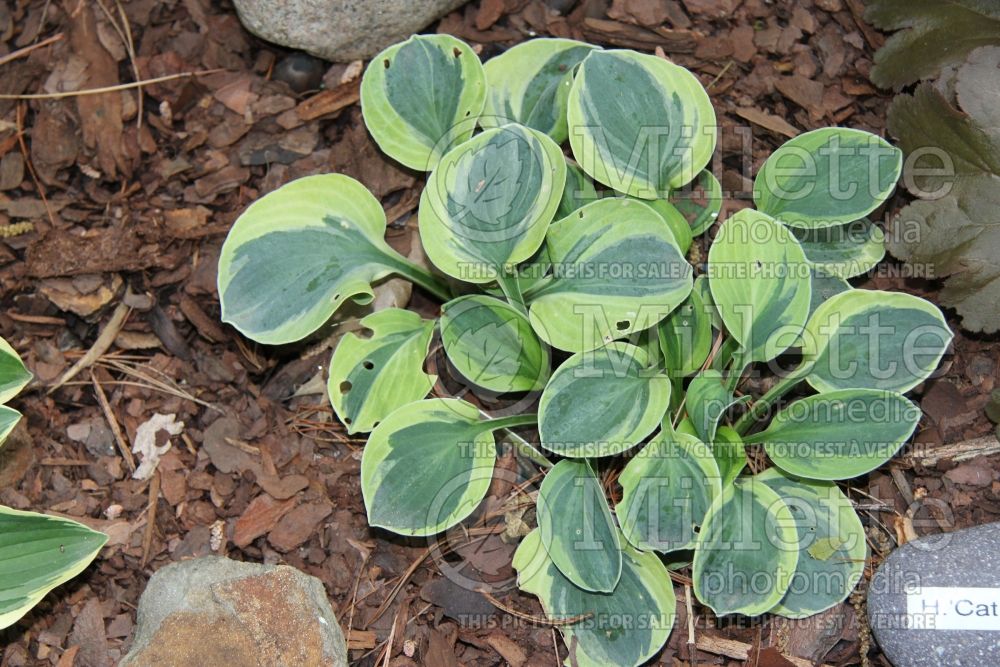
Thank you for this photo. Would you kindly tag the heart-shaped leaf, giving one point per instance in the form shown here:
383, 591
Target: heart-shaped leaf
421, 97
489, 202
38, 553
624, 628
639, 123
700, 201
746, 552
874, 339
832, 547
371, 377
760, 283
492, 345
827, 177
843, 250
576, 527
839, 434
298, 253
529, 84
616, 270
601, 403
666, 490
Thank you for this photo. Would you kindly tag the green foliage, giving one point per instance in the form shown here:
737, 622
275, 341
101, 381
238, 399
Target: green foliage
591, 315
37, 552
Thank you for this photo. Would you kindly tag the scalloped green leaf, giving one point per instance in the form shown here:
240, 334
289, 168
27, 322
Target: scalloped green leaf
843, 250
874, 339
667, 489
639, 123
529, 84
371, 377
617, 271
489, 202
700, 201
839, 434
492, 344
760, 283
38, 553
14, 376
576, 527
601, 403
826, 177
422, 97
625, 628
685, 336
747, 550
299, 252
831, 542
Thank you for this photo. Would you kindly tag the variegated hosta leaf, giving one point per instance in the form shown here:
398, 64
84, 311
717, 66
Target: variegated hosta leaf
529, 84
843, 250
666, 490
371, 377
624, 628
760, 282
576, 527
729, 453
826, 177
489, 202
13, 375
824, 286
839, 434
492, 344
422, 97
707, 399
616, 270
874, 339
8, 420
601, 403
298, 253
685, 336
699, 201
746, 552
638, 123
677, 223
579, 191
428, 465
831, 544
38, 553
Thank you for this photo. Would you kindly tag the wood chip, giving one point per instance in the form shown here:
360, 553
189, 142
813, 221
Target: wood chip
768, 121
329, 101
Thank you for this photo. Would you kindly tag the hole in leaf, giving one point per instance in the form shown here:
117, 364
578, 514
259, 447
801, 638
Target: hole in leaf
336, 297
374, 424
758, 264
345, 387
457, 51
695, 528
365, 332
622, 325
368, 365
385, 63
347, 420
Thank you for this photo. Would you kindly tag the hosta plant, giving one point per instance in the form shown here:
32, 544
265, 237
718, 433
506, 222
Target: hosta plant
37, 552
565, 186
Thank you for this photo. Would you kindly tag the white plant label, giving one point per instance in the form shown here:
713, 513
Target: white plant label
953, 608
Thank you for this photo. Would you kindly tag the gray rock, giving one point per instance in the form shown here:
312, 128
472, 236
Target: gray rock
935, 602
340, 30
217, 611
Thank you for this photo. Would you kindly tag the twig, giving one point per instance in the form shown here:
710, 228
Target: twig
537, 620
147, 538
692, 644
20, 53
108, 89
738, 650
116, 430
100, 346
126, 37
19, 118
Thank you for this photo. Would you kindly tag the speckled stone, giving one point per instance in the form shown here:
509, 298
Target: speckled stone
340, 30
964, 559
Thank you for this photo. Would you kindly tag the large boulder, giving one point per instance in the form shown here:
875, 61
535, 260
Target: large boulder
340, 30
217, 611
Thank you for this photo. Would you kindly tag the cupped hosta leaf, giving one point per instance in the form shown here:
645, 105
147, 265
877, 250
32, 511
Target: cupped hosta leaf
874, 339
38, 553
492, 344
730, 454
685, 336
624, 628
371, 377
707, 400
677, 223
579, 191
421, 97
489, 202
666, 490
760, 283
299, 252
830, 176
576, 527
427, 466
831, 542
529, 84
839, 434
13, 375
699, 201
616, 270
845, 250
601, 403
638, 123
825, 286
746, 552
